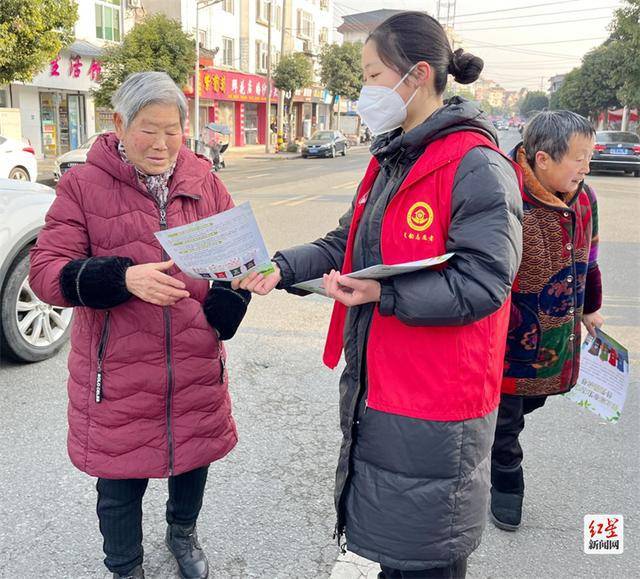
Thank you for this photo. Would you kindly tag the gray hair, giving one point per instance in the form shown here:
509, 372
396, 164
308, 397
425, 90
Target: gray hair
142, 89
551, 131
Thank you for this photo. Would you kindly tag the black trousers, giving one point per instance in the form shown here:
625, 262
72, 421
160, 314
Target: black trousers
506, 454
120, 514
456, 571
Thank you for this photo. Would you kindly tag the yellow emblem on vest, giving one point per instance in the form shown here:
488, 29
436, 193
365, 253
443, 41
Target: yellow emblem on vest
420, 216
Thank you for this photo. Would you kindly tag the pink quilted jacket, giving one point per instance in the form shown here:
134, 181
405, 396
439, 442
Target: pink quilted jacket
165, 405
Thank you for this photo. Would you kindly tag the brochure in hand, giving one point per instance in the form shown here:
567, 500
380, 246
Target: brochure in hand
377, 272
225, 246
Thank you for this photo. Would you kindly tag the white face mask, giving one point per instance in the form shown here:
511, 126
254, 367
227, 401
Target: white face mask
381, 108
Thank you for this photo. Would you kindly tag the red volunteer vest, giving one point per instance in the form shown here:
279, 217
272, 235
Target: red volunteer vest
441, 373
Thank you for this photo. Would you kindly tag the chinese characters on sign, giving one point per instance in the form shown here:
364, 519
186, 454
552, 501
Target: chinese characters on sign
75, 67
55, 67
227, 85
603, 534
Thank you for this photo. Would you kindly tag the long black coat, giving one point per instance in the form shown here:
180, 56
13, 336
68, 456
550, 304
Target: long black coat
410, 493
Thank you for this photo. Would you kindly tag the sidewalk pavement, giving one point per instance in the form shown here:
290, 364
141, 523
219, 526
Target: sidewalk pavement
257, 152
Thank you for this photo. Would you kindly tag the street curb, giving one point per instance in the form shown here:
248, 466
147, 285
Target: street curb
265, 158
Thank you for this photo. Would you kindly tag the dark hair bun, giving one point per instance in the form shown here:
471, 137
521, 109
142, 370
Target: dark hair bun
465, 67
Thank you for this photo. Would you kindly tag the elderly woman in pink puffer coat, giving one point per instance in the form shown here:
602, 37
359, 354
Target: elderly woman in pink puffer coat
147, 385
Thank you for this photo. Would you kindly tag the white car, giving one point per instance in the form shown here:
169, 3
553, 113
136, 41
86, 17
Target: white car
17, 160
72, 158
30, 330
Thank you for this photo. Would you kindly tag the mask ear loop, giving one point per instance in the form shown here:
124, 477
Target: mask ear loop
415, 92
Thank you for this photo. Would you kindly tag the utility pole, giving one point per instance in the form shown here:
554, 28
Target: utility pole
196, 82
283, 26
267, 141
196, 77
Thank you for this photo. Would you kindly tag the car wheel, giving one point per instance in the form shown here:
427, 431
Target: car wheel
19, 174
304, 156
636, 173
30, 330
344, 150
332, 154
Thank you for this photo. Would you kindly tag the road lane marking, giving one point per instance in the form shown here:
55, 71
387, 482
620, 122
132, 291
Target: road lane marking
256, 176
305, 200
345, 185
286, 201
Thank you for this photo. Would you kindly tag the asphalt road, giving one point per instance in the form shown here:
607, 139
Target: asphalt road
268, 508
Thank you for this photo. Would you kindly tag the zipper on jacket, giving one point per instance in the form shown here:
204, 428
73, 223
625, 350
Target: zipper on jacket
102, 346
167, 330
223, 365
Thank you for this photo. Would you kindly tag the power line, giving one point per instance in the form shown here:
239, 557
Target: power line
520, 16
539, 43
535, 24
519, 8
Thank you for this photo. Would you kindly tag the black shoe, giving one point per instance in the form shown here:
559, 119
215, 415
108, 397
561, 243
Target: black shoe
136, 573
183, 543
506, 510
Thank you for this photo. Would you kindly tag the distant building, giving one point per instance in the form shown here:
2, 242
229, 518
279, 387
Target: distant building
555, 82
357, 27
233, 37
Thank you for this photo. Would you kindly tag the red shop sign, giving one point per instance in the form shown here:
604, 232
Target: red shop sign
233, 86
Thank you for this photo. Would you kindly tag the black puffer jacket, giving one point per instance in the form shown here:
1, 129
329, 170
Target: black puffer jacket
410, 493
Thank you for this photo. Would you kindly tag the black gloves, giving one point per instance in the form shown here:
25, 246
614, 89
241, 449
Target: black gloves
224, 308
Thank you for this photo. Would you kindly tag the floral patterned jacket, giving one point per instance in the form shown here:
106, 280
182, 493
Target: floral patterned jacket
558, 280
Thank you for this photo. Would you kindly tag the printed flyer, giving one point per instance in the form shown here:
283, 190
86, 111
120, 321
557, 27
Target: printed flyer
604, 377
225, 246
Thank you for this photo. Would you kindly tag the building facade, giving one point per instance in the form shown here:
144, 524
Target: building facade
57, 111
233, 37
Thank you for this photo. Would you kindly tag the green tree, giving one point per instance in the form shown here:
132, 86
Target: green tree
292, 73
31, 34
625, 42
341, 74
600, 73
533, 102
573, 94
157, 43
593, 87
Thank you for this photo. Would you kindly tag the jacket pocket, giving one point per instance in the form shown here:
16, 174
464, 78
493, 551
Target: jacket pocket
102, 348
525, 333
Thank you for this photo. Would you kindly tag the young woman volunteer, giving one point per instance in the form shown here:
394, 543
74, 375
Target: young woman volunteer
424, 350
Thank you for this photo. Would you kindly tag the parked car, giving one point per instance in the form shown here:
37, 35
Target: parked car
325, 144
30, 330
72, 158
17, 160
616, 151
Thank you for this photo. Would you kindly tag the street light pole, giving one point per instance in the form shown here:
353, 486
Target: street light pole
196, 76
267, 145
196, 82
283, 26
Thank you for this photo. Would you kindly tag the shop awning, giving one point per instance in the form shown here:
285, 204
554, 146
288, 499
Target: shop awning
84, 48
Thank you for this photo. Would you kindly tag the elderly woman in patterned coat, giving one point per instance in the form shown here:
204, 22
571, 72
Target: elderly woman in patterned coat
557, 288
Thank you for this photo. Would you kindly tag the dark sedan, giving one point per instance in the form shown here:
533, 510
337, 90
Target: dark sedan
325, 144
616, 151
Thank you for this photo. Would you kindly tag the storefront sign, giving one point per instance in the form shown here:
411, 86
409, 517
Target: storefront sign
309, 95
75, 67
233, 86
